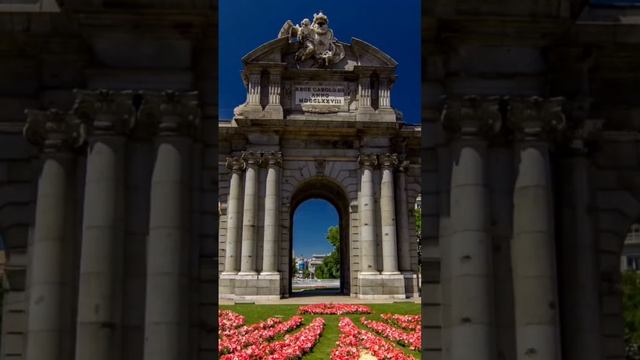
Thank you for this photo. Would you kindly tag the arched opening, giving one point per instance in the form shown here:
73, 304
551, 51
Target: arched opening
327, 192
630, 268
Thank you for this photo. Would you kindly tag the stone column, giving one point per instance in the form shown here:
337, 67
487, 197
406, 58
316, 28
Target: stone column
250, 215
166, 310
271, 218
404, 249
236, 165
368, 263
274, 108
469, 119
99, 321
533, 246
56, 133
388, 216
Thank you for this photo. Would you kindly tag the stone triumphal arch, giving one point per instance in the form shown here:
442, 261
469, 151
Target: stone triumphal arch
318, 123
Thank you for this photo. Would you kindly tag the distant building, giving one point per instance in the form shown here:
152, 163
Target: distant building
315, 260
630, 258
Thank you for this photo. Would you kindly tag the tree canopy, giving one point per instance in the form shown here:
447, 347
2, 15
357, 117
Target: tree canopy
330, 267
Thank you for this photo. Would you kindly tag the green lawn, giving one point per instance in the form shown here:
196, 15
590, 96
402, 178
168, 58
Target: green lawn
322, 350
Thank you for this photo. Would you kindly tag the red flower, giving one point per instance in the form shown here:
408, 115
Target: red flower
334, 309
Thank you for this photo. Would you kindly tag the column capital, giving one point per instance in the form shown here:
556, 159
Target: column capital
106, 112
368, 160
235, 164
54, 130
272, 158
251, 158
171, 113
472, 116
535, 118
388, 161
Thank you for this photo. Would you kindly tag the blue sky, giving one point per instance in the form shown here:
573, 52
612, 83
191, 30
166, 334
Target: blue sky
391, 26
310, 223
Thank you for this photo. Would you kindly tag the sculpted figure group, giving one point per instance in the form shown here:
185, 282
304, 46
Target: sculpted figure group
315, 40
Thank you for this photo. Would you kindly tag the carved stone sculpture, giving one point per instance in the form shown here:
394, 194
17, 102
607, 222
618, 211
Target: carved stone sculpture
315, 40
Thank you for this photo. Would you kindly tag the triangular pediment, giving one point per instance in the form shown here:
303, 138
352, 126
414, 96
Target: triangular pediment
358, 53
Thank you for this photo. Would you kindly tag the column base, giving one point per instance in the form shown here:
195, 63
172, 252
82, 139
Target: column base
411, 284
381, 286
272, 111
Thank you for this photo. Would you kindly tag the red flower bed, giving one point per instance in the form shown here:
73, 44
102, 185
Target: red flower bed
353, 341
334, 309
235, 340
291, 347
228, 320
407, 322
411, 339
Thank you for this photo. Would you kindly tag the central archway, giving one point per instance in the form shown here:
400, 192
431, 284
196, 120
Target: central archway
322, 188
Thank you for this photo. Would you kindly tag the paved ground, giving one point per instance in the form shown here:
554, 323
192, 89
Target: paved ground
320, 296
315, 283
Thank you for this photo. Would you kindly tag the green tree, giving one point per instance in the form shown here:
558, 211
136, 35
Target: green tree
330, 267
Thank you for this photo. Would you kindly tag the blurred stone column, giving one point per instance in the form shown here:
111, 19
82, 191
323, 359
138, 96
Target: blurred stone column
535, 122
469, 120
56, 134
176, 116
110, 115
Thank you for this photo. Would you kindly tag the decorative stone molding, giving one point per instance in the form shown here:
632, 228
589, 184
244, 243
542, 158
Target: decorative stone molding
54, 130
536, 118
171, 112
321, 165
272, 158
588, 130
105, 111
403, 166
235, 164
368, 160
388, 161
472, 116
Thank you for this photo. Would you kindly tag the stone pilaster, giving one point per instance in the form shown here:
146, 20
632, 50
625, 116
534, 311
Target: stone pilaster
368, 264
253, 88
109, 115
236, 165
55, 133
250, 215
388, 215
385, 93
402, 211
579, 250
535, 121
271, 211
364, 96
176, 116
469, 119
274, 108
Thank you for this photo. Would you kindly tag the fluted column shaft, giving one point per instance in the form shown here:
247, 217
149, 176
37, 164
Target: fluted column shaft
533, 244
250, 215
385, 94
274, 87
403, 219
364, 92
367, 217
45, 326
166, 310
99, 319
253, 95
233, 215
468, 120
388, 215
271, 218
